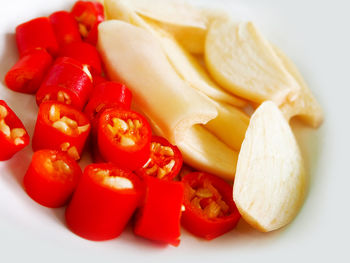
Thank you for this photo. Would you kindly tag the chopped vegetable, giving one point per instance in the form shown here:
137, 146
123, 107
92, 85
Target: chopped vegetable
65, 28
105, 95
88, 14
124, 138
36, 34
159, 216
51, 178
68, 81
85, 53
13, 135
209, 209
165, 161
105, 199
27, 74
60, 127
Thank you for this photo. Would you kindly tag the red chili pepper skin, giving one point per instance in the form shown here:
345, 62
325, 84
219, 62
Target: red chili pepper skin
99, 209
88, 15
51, 133
84, 53
165, 161
158, 218
195, 219
66, 82
105, 95
113, 141
98, 79
27, 74
51, 178
65, 27
13, 135
92, 37
36, 34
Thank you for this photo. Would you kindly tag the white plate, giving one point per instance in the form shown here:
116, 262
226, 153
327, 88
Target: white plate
316, 35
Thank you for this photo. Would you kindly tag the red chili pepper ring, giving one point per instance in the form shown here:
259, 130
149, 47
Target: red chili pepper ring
209, 207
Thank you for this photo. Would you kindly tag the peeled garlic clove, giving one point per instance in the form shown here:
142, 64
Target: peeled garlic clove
305, 106
270, 179
242, 61
170, 12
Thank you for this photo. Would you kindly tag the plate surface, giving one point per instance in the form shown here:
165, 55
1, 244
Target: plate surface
315, 34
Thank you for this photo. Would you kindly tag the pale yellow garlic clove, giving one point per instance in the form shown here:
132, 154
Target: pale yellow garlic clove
270, 180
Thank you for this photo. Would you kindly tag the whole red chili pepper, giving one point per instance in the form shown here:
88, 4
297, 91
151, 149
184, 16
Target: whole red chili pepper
88, 15
36, 34
104, 201
68, 82
209, 207
27, 74
124, 138
85, 53
165, 161
13, 135
51, 178
60, 127
65, 28
159, 216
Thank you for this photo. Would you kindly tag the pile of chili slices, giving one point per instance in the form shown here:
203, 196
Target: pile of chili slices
134, 173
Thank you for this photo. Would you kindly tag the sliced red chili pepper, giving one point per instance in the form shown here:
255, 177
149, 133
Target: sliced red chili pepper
68, 82
65, 28
106, 95
60, 127
84, 53
124, 138
98, 79
165, 160
159, 216
13, 135
209, 207
36, 34
104, 201
27, 74
51, 178
92, 37
88, 15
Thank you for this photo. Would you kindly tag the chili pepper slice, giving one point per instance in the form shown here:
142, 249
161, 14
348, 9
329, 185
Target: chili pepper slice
13, 135
165, 161
60, 127
124, 138
65, 28
84, 53
92, 37
27, 74
51, 178
106, 95
209, 207
158, 218
36, 34
98, 79
88, 15
104, 201
68, 81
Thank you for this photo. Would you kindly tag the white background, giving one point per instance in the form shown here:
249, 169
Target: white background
316, 35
